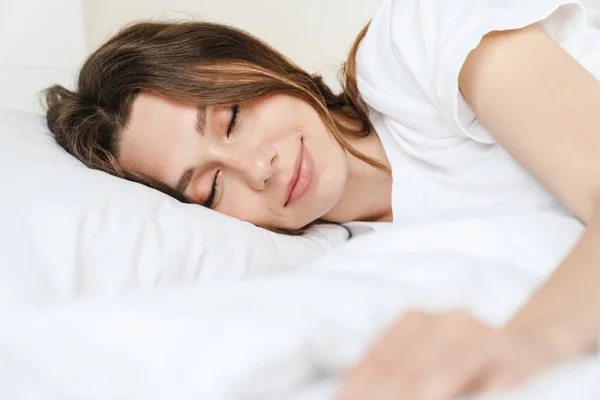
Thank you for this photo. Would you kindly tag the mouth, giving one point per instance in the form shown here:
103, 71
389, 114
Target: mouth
302, 177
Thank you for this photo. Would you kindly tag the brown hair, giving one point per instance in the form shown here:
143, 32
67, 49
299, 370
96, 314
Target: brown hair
197, 63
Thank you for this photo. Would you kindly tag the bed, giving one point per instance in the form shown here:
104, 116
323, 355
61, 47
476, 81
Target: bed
285, 334
110, 290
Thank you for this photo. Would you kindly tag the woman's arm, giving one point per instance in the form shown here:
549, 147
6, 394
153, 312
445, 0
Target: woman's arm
543, 107
565, 313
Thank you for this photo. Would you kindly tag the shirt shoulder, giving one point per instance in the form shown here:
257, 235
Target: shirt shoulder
410, 58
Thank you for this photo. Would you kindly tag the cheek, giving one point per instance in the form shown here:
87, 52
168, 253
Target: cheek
272, 123
252, 209
332, 170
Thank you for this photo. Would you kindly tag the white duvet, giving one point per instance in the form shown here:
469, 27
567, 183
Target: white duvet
289, 336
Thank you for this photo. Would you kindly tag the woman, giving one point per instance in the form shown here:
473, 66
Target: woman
437, 95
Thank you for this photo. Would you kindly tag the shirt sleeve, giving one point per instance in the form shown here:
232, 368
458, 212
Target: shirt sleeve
413, 52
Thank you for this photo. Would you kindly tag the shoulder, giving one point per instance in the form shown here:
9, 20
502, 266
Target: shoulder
410, 59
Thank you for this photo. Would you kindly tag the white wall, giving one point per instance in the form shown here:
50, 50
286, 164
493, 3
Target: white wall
44, 41
41, 43
316, 34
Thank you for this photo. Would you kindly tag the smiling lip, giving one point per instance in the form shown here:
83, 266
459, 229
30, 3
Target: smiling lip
302, 177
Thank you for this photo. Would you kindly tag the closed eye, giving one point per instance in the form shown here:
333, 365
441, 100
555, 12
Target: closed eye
234, 119
210, 201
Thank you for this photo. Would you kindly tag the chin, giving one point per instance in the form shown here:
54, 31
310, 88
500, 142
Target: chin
334, 190
325, 205
304, 216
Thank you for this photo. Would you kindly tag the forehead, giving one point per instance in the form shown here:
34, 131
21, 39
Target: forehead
155, 128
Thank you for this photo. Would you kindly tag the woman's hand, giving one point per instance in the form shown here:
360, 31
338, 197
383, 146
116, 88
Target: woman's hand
438, 357
542, 106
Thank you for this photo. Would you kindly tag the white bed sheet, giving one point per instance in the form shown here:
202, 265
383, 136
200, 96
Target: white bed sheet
289, 336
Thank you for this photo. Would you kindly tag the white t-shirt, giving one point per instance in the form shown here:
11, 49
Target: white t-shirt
445, 165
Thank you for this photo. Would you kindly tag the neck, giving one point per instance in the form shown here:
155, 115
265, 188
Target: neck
367, 195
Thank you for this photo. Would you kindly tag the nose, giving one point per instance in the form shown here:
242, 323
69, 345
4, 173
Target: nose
256, 164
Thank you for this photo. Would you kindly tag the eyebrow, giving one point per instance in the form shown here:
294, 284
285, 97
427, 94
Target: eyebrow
184, 181
200, 125
201, 119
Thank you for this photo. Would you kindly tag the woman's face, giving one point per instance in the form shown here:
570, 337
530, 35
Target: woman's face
272, 162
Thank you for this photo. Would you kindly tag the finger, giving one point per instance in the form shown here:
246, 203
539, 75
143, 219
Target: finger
508, 374
402, 343
453, 374
374, 384
363, 383
455, 356
501, 382
507, 367
374, 377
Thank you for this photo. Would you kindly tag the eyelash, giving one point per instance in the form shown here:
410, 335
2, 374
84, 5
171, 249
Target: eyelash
209, 203
234, 119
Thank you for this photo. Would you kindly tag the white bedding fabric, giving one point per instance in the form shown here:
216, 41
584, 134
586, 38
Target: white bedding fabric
289, 336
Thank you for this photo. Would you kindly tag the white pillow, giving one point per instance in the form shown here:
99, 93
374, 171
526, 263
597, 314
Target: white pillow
67, 230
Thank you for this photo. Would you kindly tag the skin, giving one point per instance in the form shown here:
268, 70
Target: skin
542, 106
537, 102
256, 161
